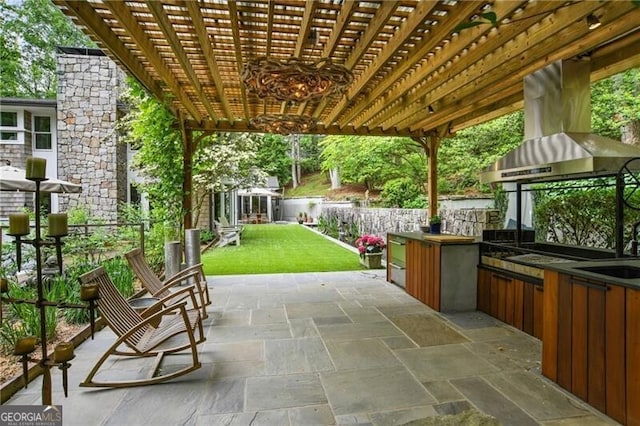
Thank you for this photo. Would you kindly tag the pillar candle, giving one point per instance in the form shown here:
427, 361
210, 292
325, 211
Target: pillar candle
58, 224
36, 168
25, 345
4, 285
63, 352
19, 224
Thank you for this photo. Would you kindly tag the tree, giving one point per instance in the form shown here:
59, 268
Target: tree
372, 161
30, 31
295, 160
463, 156
222, 161
615, 105
273, 157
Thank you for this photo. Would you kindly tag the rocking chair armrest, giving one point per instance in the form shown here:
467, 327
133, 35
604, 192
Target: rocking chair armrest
188, 291
157, 316
180, 276
189, 269
167, 285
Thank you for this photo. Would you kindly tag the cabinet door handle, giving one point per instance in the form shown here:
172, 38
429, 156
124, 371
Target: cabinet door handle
586, 284
393, 265
538, 287
398, 243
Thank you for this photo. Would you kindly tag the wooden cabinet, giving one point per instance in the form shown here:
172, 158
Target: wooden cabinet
632, 356
442, 275
423, 272
513, 301
591, 343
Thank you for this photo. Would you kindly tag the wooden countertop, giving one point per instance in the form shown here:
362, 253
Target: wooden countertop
436, 238
440, 238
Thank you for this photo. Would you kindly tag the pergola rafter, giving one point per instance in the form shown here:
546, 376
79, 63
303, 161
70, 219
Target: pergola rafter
416, 73
405, 55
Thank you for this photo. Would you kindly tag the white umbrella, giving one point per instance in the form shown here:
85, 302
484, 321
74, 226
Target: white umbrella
260, 192
14, 179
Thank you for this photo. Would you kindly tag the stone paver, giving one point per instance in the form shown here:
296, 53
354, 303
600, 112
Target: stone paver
343, 348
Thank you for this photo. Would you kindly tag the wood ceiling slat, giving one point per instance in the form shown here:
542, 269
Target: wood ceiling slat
405, 32
437, 33
617, 56
209, 54
426, 78
403, 55
305, 27
380, 18
510, 58
567, 38
140, 38
233, 16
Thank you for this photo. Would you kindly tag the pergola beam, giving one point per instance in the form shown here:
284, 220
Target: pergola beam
176, 45
123, 14
209, 54
225, 126
90, 19
459, 49
506, 56
486, 85
428, 43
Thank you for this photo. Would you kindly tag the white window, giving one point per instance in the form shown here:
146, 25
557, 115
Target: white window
42, 132
10, 132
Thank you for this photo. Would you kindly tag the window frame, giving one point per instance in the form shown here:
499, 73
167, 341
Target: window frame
35, 133
18, 129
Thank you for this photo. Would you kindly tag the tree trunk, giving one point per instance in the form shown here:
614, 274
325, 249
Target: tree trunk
294, 161
631, 133
334, 175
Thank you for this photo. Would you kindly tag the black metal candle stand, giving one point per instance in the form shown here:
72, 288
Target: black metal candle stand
46, 361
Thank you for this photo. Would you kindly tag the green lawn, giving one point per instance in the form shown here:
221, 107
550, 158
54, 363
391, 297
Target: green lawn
267, 249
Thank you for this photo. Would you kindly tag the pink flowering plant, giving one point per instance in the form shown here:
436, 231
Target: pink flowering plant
369, 244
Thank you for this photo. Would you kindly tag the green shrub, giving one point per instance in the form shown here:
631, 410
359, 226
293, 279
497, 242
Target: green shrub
402, 193
24, 318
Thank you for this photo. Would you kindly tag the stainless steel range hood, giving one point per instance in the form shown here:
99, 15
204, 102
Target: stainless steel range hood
558, 140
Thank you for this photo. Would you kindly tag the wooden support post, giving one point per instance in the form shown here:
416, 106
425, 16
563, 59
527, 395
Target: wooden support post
187, 182
432, 172
430, 144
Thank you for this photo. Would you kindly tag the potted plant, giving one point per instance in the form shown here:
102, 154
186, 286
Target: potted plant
434, 224
370, 248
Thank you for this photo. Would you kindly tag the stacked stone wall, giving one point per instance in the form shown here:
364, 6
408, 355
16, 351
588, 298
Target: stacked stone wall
468, 222
87, 143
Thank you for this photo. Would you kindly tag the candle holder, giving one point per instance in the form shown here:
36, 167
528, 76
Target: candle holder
63, 353
89, 293
23, 347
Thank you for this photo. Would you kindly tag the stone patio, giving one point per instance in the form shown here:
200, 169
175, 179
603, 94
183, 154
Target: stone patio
342, 348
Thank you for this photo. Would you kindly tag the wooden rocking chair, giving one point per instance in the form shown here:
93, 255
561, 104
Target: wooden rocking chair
138, 338
158, 288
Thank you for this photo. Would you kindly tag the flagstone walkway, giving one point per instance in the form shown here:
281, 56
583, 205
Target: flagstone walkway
343, 348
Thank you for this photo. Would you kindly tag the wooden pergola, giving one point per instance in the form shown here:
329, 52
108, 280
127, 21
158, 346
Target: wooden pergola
417, 72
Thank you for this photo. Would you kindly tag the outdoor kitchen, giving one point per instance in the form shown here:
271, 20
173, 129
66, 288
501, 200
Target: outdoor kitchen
582, 302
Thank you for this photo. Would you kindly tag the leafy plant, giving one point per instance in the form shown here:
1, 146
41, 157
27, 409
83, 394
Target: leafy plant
121, 275
206, 236
434, 220
488, 18
25, 317
403, 193
574, 213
